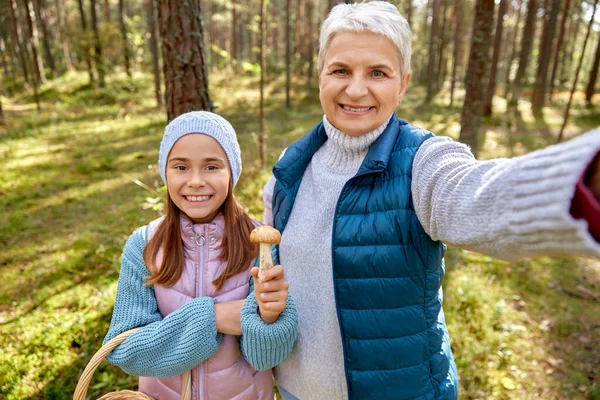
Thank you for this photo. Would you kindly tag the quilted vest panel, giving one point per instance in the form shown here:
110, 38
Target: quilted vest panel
226, 375
387, 272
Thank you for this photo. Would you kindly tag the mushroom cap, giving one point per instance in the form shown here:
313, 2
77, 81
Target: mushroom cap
265, 234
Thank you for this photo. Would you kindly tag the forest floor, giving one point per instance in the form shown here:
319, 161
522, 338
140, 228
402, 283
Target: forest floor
81, 175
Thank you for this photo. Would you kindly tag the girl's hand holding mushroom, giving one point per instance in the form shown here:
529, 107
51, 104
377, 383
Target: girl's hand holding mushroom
271, 292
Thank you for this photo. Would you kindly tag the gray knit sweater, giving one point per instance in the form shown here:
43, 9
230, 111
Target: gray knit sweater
507, 208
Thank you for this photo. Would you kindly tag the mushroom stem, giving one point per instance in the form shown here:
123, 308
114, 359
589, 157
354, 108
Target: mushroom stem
266, 261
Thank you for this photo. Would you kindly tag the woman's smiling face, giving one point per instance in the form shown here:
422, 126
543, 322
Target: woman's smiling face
361, 82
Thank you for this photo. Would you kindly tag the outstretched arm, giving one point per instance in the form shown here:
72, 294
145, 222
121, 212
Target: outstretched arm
161, 347
507, 208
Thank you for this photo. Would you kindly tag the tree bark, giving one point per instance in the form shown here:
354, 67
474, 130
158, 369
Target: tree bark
42, 15
526, 44
234, 36
61, 37
567, 59
477, 73
97, 45
262, 132
491, 89
288, 52
125, 40
559, 43
151, 11
86, 44
590, 89
18, 38
34, 44
568, 108
310, 47
3, 56
456, 57
538, 98
513, 51
184, 59
409, 11
431, 84
107, 10
441, 68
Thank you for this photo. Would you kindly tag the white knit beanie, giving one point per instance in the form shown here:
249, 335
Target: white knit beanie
208, 123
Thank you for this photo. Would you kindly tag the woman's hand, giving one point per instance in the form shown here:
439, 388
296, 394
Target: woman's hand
271, 292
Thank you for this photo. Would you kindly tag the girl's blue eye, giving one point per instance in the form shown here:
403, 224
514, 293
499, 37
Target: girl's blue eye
340, 72
212, 168
378, 74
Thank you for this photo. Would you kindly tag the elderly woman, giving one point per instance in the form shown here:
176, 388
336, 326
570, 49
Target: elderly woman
364, 202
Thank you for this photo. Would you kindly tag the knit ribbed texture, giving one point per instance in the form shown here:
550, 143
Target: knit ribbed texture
505, 208
209, 124
267, 345
188, 335
163, 347
315, 369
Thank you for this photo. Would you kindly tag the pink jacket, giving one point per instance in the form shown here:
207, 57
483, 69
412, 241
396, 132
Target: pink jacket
226, 375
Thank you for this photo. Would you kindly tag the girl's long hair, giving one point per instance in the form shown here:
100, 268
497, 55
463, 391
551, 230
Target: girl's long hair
236, 249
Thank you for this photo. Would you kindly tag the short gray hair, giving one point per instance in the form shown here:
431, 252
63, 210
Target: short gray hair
372, 16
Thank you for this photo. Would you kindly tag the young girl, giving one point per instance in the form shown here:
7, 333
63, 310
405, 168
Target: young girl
185, 279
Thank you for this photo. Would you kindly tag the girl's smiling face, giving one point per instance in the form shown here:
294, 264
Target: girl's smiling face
361, 82
198, 176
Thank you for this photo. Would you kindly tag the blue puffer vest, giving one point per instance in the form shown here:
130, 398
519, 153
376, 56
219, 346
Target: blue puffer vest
387, 272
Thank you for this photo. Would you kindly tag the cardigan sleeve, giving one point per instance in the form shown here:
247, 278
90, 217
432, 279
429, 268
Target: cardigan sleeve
507, 208
267, 345
161, 347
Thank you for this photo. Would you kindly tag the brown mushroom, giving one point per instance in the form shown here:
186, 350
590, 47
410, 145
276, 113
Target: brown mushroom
266, 236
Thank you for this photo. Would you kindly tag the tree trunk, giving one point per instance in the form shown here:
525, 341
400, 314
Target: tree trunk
86, 44
513, 51
589, 91
39, 76
184, 60
97, 46
559, 43
18, 38
491, 90
567, 59
151, 11
125, 40
409, 11
441, 68
262, 133
477, 73
456, 57
299, 31
61, 37
587, 36
34, 43
107, 10
42, 15
234, 36
538, 99
3, 56
310, 48
1, 110
432, 44
288, 52
526, 44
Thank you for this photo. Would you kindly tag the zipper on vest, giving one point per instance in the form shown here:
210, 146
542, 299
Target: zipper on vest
200, 240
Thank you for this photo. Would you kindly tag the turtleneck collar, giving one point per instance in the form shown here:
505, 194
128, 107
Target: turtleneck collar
343, 154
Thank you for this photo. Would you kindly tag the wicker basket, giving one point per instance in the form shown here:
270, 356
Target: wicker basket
86, 376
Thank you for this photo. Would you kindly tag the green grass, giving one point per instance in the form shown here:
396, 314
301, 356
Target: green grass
78, 178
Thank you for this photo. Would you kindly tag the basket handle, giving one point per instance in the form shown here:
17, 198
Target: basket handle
86, 376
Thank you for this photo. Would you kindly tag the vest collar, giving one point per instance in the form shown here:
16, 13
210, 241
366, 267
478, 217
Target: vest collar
289, 170
191, 232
